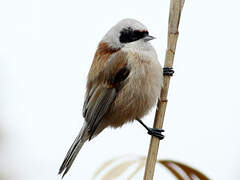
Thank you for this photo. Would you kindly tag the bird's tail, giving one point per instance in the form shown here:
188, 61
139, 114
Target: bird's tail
73, 151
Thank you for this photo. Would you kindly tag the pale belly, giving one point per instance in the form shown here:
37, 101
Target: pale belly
138, 96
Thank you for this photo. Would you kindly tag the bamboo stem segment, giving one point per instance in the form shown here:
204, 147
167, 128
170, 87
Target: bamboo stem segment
174, 19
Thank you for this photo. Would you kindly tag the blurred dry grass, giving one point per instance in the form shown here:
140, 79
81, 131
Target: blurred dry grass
179, 170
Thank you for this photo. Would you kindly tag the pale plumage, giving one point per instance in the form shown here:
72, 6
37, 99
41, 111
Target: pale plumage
124, 82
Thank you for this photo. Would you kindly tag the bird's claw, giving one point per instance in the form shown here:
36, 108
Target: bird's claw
168, 71
156, 132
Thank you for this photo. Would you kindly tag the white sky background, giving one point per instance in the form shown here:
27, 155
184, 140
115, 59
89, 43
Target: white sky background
46, 49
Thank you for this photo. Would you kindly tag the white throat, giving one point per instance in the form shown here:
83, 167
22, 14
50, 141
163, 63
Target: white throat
142, 48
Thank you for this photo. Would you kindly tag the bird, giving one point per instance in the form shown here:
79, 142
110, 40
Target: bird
123, 84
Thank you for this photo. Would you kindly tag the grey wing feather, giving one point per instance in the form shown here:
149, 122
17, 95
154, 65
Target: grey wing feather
95, 113
87, 98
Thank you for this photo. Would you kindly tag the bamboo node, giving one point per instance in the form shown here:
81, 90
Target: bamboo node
163, 100
171, 51
174, 33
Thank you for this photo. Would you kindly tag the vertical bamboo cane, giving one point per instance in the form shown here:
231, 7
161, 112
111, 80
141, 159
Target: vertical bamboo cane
174, 18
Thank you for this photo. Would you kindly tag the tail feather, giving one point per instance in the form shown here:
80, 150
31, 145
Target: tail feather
73, 151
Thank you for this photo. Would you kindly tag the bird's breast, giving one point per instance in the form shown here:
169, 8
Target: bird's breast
140, 92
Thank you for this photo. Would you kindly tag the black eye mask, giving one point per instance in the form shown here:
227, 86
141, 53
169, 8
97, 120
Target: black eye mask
129, 35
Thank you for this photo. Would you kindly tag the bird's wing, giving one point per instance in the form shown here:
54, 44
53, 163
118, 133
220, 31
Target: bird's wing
99, 106
105, 80
104, 90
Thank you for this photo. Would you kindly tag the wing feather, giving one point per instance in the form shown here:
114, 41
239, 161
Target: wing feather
100, 107
105, 79
103, 90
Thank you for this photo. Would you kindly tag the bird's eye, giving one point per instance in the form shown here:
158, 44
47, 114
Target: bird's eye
130, 35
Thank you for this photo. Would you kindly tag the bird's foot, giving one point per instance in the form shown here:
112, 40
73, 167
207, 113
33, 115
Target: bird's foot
156, 132
152, 131
168, 71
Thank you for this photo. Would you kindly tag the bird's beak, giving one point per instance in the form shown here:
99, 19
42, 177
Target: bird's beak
149, 38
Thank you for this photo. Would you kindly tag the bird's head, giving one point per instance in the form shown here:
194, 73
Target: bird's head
126, 31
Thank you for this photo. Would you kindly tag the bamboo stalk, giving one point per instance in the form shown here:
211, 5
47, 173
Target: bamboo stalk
174, 18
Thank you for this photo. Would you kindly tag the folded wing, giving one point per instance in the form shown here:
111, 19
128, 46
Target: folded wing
102, 91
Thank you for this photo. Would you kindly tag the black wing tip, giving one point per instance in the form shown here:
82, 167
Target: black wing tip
63, 166
91, 132
90, 137
59, 172
64, 170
